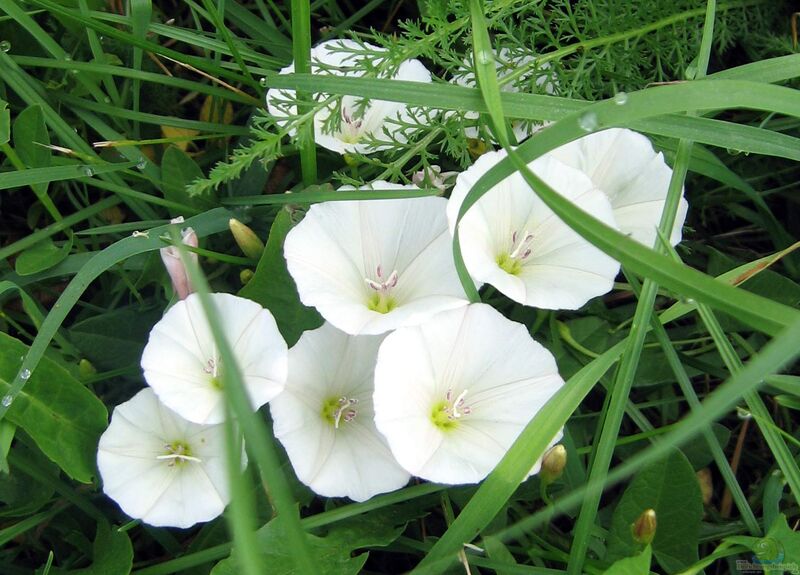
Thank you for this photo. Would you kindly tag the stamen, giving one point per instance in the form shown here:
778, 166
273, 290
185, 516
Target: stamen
512, 260
382, 302
446, 414
177, 453
337, 410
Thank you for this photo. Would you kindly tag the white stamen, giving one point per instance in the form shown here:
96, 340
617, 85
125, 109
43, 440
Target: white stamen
345, 411
380, 285
522, 249
179, 456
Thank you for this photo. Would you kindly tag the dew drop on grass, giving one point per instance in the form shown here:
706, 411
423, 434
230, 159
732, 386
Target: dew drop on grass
263, 82
7, 400
620, 98
25, 375
87, 171
5, 46
588, 122
142, 164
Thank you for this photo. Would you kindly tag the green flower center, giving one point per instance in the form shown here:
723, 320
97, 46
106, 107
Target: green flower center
178, 453
381, 300
213, 368
338, 409
446, 414
511, 261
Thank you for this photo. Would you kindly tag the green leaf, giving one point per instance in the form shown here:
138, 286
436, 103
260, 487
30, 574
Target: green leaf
698, 452
63, 417
670, 487
113, 553
178, 170
274, 288
781, 545
30, 132
42, 256
5, 122
333, 551
115, 339
20, 494
499, 553
636, 565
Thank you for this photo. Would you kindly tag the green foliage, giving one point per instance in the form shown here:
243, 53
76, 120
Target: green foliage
274, 288
80, 223
63, 417
670, 487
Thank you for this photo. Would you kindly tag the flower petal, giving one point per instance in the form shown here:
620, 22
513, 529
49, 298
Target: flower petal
340, 247
513, 241
623, 164
162, 492
351, 460
475, 360
181, 361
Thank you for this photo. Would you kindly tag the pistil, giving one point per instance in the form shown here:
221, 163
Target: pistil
382, 300
512, 260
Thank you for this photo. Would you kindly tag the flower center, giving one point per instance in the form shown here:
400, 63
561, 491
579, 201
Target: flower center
382, 301
512, 260
350, 129
445, 414
178, 453
212, 368
335, 410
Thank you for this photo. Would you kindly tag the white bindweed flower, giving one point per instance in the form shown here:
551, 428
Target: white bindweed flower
508, 61
452, 394
160, 468
371, 266
181, 361
359, 122
623, 164
324, 417
171, 258
513, 241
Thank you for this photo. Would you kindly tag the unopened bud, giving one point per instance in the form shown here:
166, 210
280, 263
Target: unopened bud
476, 147
86, 369
644, 528
172, 261
246, 239
246, 275
706, 485
553, 463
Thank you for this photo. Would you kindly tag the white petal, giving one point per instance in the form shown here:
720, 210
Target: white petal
503, 376
342, 57
161, 492
623, 164
351, 460
340, 245
180, 359
563, 270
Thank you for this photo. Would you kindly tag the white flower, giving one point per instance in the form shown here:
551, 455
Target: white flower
160, 468
358, 123
452, 394
171, 258
324, 417
623, 164
513, 241
507, 61
182, 364
371, 266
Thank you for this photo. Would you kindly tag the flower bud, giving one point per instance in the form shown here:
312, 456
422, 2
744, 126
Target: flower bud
246, 239
246, 275
172, 261
553, 463
86, 369
644, 528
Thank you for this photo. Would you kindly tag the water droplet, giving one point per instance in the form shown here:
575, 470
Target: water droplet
263, 82
106, 100
7, 400
588, 122
485, 57
5, 46
620, 98
101, 38
73, 72
142, 164
67, 58
87, 171
25, 375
